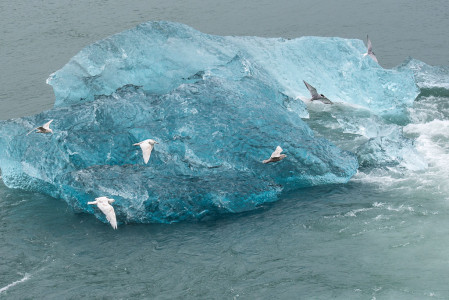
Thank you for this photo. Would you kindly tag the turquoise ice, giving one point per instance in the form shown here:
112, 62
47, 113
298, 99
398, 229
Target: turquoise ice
212, 134
217, 106
159, 55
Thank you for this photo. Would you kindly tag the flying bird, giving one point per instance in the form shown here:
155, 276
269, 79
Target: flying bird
275, 156
104, 204
316, 96
370, 50
43, 129
146, 146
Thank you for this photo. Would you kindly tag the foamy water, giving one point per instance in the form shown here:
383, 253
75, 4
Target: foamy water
25, 278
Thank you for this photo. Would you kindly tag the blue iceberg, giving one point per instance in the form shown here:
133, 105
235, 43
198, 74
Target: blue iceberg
389, 150
160, 55
427, 76
217, 106
212, 134
378, 143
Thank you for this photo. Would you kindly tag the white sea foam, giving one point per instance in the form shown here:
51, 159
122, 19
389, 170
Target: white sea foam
25, 278
353, 213
433, 128
432, 142
380, 177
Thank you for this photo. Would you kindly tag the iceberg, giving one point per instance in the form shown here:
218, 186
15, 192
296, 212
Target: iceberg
212, 134
160, 55
393, 149
217, 106
427, 77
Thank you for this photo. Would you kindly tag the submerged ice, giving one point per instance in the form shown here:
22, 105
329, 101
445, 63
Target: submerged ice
216, 105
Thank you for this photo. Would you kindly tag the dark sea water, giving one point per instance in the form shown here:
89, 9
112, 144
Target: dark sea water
384, 235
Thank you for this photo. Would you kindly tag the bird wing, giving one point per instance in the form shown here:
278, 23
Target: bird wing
32, 130
47, 125
326, 101
101, 199
311, 89
277, 152
109, 212
368, 45
146, 151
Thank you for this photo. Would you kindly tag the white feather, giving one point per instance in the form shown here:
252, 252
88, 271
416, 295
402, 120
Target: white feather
277, 152
47, 125
104, 205
146, 146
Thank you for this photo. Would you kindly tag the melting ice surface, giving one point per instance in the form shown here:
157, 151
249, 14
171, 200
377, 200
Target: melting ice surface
217, 106
160, 55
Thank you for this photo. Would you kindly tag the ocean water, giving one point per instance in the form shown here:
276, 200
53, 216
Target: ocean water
383, 235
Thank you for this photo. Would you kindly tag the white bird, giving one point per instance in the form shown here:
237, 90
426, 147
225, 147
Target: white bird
316, 96
370, 50
275, 156
43, 129
104, 205
146, 146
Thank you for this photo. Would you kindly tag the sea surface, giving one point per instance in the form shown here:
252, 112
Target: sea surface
383, 235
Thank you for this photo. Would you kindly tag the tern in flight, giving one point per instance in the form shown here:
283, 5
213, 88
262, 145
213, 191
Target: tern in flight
104, 204
316, 96
370, 50
43, 129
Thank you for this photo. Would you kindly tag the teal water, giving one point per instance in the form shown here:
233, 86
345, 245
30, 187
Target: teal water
383, 235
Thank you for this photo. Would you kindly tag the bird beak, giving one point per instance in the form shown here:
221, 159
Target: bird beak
156, 142
136, 144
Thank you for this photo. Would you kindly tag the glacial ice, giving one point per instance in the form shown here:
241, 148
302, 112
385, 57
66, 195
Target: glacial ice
217, 106
212, 134
159, 56
393, 149
380, 143
426, 76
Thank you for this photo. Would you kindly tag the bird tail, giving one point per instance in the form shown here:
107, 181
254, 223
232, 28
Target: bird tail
136, 144
265, 161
